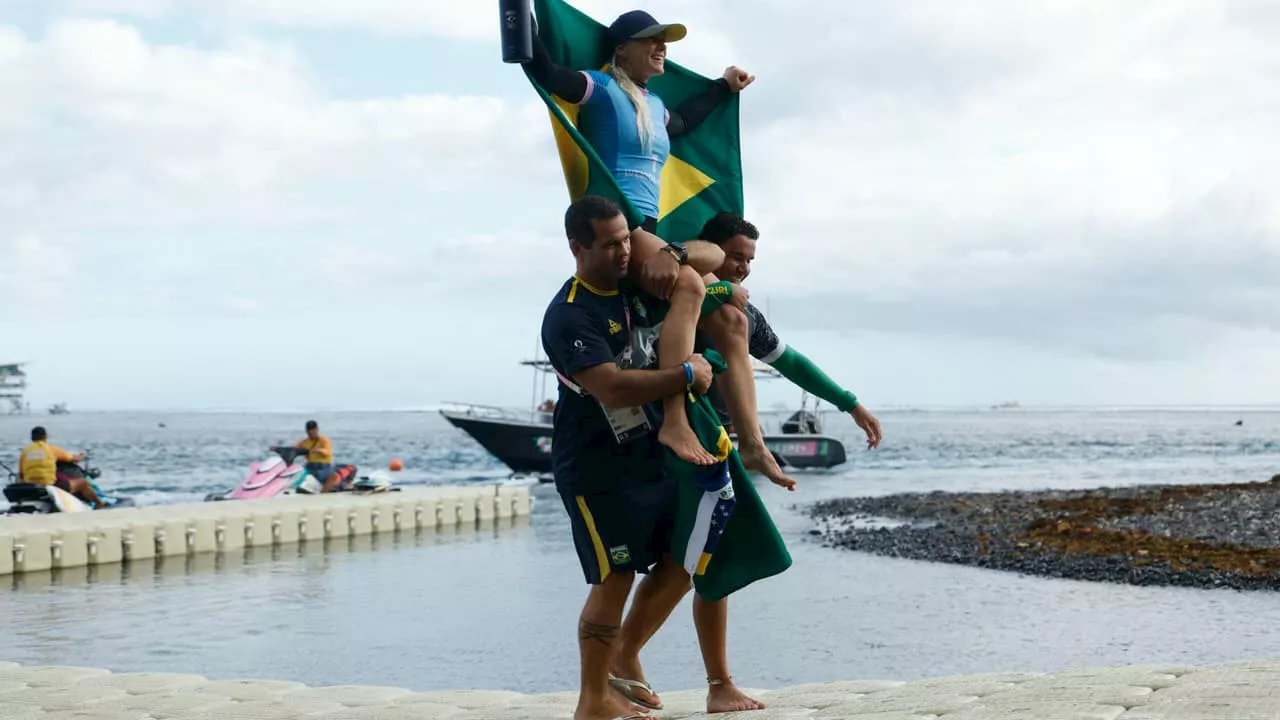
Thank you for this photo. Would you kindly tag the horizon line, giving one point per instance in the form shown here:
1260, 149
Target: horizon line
888, 407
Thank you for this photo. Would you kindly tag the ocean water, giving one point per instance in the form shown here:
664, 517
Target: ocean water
498, 608
179, 457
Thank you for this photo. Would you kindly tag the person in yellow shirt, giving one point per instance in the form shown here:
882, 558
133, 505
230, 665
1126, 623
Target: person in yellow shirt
319, 456
38, 465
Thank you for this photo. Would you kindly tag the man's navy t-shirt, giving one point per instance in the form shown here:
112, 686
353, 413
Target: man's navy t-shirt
584, 327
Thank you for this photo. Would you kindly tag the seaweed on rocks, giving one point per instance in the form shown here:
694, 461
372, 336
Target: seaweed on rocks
1221, 535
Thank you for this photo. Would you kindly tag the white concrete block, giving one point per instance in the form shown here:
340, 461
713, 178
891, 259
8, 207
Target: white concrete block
285, 525
468, 499
70, 548
171, 538
32, 552
222, 527
337, 524
202, 535
311, 523
229, 532
105, 544
424, 513
447, 514
524, 502
487, 504
259, 528
515, 500
139, 540
6, 555
359, 518
382, 512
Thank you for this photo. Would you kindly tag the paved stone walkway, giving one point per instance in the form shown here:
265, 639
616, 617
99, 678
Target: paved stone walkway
1236, 691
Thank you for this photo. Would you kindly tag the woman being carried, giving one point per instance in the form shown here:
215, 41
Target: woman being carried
619, 117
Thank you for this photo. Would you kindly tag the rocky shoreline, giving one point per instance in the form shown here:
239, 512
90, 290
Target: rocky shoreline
1204, 536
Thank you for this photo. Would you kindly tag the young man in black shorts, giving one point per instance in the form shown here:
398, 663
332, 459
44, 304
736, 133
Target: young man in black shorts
607, 462
737, 238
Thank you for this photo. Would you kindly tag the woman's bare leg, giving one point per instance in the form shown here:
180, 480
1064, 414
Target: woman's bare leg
675, 343
728, 329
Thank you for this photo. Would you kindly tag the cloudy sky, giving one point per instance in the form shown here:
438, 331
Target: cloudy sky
336, 204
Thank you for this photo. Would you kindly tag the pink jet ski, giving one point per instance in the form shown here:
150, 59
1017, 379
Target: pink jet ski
284, 473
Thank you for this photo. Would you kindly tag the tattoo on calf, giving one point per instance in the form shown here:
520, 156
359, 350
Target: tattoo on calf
603, 634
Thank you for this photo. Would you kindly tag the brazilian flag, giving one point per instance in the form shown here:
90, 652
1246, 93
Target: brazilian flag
723, 534
703, 175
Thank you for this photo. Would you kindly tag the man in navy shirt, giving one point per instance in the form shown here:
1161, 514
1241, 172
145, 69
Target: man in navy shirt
607, 462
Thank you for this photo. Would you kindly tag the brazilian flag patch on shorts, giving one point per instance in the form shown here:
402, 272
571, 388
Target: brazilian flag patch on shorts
620, 555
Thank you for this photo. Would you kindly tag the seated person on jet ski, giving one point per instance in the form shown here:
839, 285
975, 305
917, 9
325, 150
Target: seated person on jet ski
319, 456
38, 465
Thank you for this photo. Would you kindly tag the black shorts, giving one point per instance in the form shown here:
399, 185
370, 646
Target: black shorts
623, 530
62, 483
650, 224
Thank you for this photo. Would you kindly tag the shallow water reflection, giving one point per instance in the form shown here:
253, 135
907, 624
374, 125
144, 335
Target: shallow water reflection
498, 609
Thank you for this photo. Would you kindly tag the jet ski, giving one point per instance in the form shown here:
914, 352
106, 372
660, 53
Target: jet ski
285, 473
32, 499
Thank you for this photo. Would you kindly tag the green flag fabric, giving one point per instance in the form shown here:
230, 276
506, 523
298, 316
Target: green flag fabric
723, 533
702, 176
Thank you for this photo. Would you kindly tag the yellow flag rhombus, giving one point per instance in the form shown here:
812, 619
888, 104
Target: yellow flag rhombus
680, 182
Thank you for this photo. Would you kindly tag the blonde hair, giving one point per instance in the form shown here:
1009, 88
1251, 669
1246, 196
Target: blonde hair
644, 118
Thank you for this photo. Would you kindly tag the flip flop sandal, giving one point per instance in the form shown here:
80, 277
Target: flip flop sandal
624, 686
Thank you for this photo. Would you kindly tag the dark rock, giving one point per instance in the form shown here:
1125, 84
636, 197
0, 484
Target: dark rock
1180, 535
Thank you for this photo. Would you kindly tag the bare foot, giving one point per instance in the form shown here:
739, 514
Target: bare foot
728, 698
609, 707
761, 460
680, 438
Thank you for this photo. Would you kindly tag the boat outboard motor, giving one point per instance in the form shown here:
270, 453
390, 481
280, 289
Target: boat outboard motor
802, 422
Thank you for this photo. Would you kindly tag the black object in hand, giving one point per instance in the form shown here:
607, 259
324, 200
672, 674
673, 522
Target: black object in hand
516, 31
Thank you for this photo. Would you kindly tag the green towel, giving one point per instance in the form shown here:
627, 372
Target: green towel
703, 175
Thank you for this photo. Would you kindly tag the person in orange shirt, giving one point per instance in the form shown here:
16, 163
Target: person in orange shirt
38, 465
319, 456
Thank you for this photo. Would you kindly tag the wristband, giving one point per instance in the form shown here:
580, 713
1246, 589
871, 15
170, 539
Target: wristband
688, 374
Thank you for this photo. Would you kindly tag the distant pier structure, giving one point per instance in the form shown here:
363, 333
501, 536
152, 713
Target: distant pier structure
13, 386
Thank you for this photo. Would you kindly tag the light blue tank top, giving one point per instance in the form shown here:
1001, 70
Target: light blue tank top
608, 121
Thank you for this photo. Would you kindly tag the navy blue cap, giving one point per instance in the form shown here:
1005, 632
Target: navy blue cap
640, 24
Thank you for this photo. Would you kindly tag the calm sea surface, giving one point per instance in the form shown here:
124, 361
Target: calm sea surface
498, 608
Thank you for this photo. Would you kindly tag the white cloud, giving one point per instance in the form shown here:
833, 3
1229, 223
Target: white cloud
1092, 180
155, 135
34, 271
707, 49
1068, 177
456, 18
207, 182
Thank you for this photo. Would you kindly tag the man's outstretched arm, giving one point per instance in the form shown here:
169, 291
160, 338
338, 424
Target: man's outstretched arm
767, 348
794, 366
797, 368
